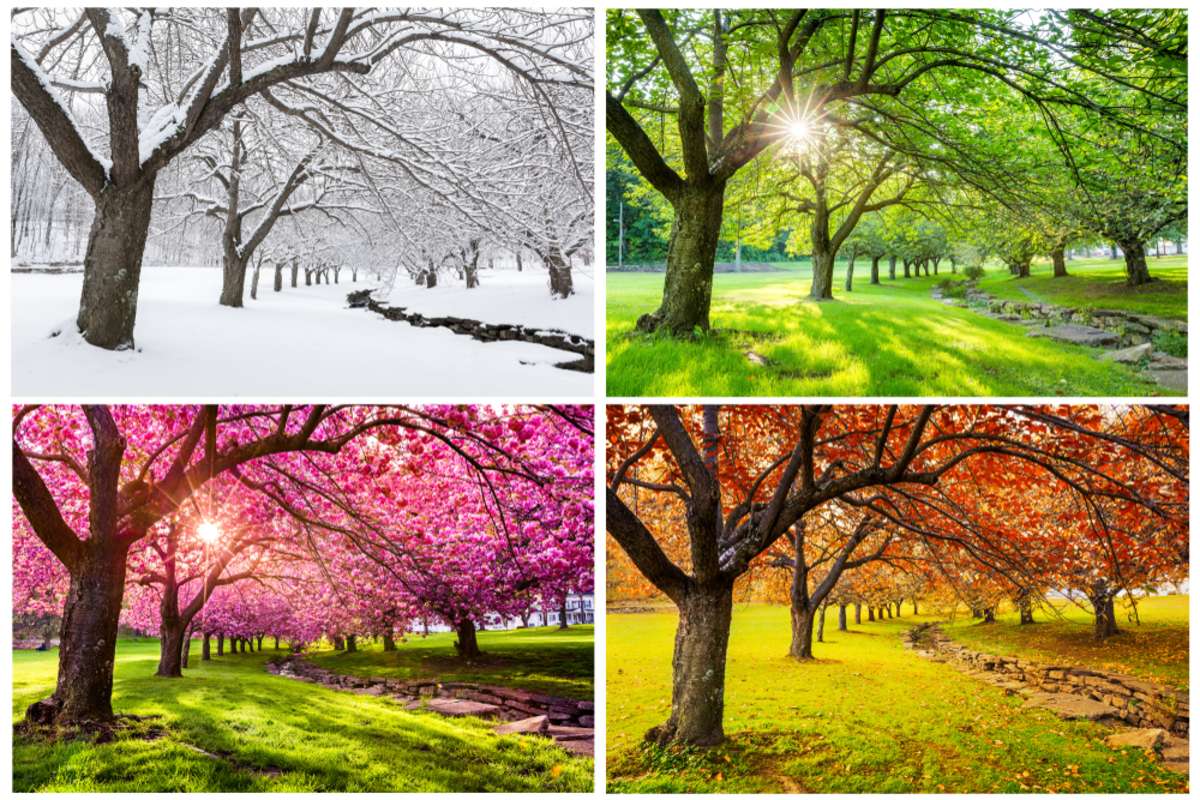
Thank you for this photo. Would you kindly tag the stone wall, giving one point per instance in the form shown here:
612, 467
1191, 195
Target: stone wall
1136, 702
514, 704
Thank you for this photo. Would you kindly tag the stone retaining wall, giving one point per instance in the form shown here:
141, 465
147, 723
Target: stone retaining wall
1136, 702
514, 704
486, 331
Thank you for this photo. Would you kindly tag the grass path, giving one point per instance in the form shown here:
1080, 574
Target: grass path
867, 716
274, 734
893, 339
543, 660
1100, 283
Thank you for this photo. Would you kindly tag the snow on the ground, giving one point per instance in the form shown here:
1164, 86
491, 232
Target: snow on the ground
301, 343
502, 296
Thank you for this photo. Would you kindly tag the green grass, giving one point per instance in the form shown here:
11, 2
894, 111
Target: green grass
1156, 649
888, 340
1099, 283
274, 734
543, 660
867, 716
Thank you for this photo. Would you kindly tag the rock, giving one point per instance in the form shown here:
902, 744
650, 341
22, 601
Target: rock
534, 725
1172, 380
1128, 355
1145, 738
1071, 706
565, 732
462, 708
1164, 361
579, 747
1078, 334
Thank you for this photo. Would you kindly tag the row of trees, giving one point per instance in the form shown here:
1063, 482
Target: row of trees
1064, 125
874, 505
194, 130
290, 521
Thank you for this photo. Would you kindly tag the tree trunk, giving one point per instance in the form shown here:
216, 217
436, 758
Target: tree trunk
1179, 247
560, 274
1103, 606
206, 648
260, 638
87, 644
278, 276
254, 281
562, 614
276, 638
1060, 262
351, 644
295, 272
989, 615
822, 264
892, 268
233, 277
870, 613
185, 648
338, 644
907, 265
850, 275
913, 600
821, 624
1136, 271
467, 644
220, 644
170, 642
875, 269
112, 266
698, 667
389, 643
858, 613
842, 617
691, 253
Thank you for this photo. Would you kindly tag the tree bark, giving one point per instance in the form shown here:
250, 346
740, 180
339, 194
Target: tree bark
220, 644
206, 648
892, 268
858, 613
821, 623
260, 638
254, 281
1103, 606
1058, 256
691, 253
389, 643
87, 644
112, 266
561, 284
842, 617
295, 272
1136, 271
170, 660
875, 269
850, 275
351, 644
233, 279
870, 613
913, 600
562, 614
338, 643
278, 276
467, 644
698, 667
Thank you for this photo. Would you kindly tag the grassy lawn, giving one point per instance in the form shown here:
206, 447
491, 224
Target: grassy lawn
274, 734
1156, 650
867, 716
1099, 283
539, 659
887, 340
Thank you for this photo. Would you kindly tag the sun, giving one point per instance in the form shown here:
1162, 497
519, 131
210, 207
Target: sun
799, 131
208, 531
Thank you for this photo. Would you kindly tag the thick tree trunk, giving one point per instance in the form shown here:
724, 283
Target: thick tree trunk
220, 644
562, 614
822, 265
87, 644
858, 613
206, 648
233, 277
278, 286
698, 667
875, 269
892, 268
351, 644
907, 266
295, 272
989, 615
170, 642
1058, 257
389, 643
691, 253
1136, 271
870, 613
338, 643
1104, 609
467, 644
842, 617
112, 266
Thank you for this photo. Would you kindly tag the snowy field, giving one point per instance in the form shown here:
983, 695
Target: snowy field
302, 342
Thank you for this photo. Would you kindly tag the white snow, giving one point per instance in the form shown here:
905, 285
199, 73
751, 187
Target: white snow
503, 295
301, 343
